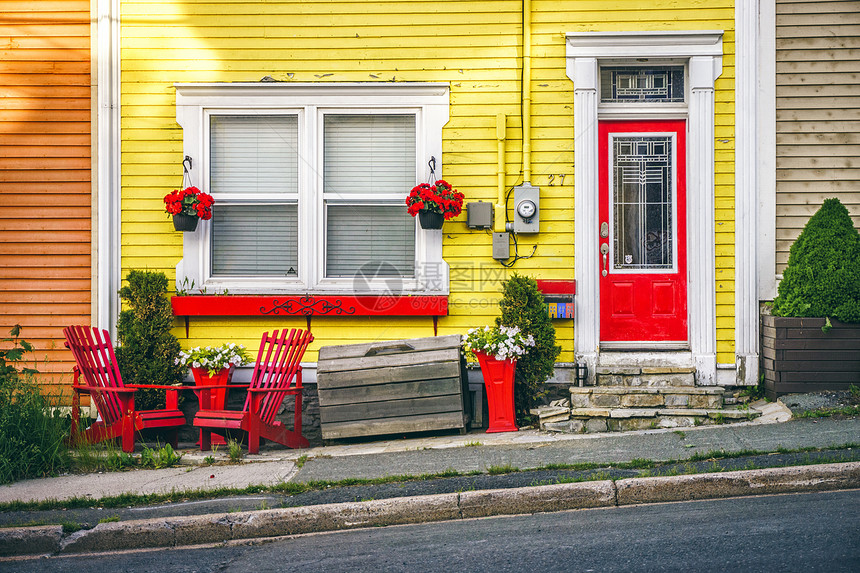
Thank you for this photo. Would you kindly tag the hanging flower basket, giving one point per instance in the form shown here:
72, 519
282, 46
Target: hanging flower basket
434, 204
430, 220
183, 222
187, 207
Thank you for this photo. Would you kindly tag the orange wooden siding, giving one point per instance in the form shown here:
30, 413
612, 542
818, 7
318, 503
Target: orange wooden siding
45, 176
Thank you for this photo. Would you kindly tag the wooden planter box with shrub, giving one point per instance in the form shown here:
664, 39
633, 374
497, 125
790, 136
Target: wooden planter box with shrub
798, 356
802, 351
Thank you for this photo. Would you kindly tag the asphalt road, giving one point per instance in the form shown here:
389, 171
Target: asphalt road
801, 532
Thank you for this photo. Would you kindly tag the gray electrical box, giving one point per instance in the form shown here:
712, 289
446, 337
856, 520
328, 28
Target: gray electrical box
479, 215
526, 209
501, 246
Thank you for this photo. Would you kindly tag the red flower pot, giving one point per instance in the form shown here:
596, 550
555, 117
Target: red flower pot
218, 397
499, 381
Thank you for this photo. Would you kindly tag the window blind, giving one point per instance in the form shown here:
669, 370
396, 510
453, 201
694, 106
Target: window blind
253, 154
254, 240
369, 154
381, 236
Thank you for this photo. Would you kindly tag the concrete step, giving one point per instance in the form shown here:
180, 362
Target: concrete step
590, 420
650, 376
646, 397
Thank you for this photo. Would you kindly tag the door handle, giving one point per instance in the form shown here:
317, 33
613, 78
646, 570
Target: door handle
604, 250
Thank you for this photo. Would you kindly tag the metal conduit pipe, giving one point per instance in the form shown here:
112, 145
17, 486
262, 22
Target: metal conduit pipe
527, 91
500, 210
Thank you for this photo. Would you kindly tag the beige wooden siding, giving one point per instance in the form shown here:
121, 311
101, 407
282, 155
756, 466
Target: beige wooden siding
817, 112
45, 176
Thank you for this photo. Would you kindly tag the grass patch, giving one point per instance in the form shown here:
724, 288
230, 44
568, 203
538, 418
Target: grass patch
71, 526
499, 470
300, 463
828, 412
581, 466
637, 463
110, 519
473, 444
234, 450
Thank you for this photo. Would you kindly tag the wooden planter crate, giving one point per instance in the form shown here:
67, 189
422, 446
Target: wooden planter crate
392, 387
797, 356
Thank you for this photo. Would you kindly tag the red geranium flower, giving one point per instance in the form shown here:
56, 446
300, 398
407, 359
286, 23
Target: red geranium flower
439, 197
191, 201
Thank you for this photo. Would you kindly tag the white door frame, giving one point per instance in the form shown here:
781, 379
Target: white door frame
702, 52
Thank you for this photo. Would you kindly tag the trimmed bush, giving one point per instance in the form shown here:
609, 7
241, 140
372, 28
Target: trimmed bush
823, 274
523, 305
147, 350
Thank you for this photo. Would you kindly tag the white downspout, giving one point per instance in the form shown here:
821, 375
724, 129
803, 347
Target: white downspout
107, 219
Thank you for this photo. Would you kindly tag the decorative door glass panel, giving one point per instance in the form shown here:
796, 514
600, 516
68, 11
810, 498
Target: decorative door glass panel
642, 202
662, 84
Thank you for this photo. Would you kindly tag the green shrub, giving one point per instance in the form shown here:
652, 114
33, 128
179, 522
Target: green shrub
147, 350
523, 305
823, 274
32, 432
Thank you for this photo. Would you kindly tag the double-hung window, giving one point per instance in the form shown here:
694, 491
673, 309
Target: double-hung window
309, 184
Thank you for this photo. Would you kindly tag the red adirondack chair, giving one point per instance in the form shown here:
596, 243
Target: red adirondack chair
96, 362
278, 373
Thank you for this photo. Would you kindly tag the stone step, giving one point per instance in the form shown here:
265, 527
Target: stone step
590, 420
646, 397
656, 376
550, 414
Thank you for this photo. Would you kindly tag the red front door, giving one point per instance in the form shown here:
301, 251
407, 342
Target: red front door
643, 234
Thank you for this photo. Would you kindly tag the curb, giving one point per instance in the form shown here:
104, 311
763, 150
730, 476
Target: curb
219, 528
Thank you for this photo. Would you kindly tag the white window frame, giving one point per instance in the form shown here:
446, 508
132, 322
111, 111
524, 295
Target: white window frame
321, 200
195, 103
205, 228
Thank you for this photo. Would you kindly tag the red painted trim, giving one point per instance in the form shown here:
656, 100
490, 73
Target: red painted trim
309, 305
549, 287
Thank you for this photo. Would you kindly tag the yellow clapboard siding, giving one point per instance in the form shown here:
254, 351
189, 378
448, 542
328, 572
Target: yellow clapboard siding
473, 46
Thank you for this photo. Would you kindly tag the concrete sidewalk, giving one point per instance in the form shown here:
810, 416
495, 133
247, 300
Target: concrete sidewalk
433, 455
206, 523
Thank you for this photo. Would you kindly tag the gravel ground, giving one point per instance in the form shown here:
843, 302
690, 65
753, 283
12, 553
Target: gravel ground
799, 403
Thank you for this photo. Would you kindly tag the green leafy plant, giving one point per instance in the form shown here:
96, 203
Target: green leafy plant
163, 457
854, 394
117, 460
523, 306
823, 274
213, 358
147, 350
32, 431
